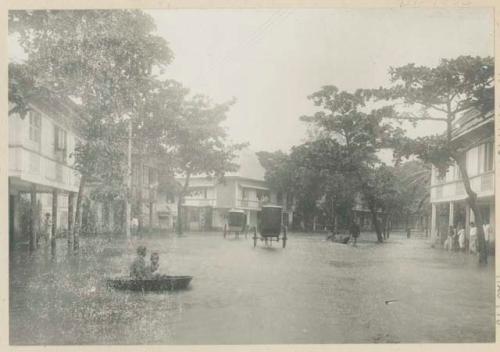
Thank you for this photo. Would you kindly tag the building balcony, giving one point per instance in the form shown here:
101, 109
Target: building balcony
249, 204
483, 184
199, 202
31, 167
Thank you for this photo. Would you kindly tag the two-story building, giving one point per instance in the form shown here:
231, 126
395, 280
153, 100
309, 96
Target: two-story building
448, 196
42, 179
208, 202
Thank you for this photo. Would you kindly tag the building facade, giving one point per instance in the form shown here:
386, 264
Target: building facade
448, 196
208, 201
42, 179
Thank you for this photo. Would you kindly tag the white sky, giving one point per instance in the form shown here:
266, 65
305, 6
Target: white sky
271, 60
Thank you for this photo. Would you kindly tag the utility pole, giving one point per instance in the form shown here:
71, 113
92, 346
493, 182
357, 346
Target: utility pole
128, 178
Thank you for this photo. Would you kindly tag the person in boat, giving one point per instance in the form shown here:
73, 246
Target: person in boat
153, 268
138, 268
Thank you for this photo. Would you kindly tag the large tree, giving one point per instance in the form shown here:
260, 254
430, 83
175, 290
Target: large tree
100, 58
198, 145
152, 129
314, 174
362, 131
444, 93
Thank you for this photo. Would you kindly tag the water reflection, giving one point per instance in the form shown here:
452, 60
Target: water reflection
310, 292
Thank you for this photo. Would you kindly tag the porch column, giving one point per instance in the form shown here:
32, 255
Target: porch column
54, 221
451, 214
33, 215
467, 225
71, 202
433, 221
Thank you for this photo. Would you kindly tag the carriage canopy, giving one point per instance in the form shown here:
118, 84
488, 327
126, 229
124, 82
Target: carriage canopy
237, 218
270, 220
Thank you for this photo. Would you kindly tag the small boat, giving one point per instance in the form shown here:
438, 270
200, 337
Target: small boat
160, 283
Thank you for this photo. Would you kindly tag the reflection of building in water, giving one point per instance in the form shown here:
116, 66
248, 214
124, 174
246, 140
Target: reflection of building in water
448, 196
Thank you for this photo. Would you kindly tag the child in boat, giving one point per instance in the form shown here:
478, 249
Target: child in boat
138, 267
154, 266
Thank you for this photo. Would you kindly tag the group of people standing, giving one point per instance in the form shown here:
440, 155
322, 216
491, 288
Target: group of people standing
457, 239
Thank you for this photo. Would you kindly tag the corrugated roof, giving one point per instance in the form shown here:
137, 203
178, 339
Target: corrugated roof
470, 120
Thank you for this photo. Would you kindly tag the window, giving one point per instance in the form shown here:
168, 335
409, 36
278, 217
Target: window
488, 156
35, 126
135, 174
205, 193
244, 193
439, 177
457, 175
60, 143
145, 175
170, 198
279, 198
152, 176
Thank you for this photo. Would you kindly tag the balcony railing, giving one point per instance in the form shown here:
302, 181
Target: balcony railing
34, 167
249, 203
483, 184
199, 202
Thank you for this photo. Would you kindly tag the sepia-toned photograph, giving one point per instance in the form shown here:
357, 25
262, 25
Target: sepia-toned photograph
261, 176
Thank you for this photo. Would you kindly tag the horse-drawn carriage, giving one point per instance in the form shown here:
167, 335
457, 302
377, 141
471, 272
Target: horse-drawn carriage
236, 223
270, 226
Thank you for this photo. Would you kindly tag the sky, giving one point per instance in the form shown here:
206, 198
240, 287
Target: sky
271, 60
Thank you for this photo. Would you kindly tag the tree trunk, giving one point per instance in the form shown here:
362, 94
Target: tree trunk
386, 226
472, 200
139, 195
78, 214
375, 221
182, 193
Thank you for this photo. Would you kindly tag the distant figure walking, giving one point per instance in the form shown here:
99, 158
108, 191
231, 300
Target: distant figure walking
461, 239
473, 238
138, 268
354, 232
448, 244
408, 232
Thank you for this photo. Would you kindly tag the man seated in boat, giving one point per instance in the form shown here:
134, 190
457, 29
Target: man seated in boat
153, 268
138, 268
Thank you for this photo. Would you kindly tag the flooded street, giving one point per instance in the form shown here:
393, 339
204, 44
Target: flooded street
312, 291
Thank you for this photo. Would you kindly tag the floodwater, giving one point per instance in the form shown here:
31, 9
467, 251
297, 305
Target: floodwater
313, 291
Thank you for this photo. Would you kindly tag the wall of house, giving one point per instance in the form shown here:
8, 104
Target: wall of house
226, 194
480, 169
36, 161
